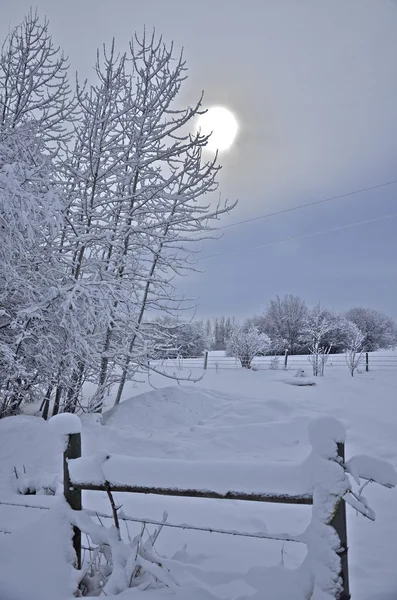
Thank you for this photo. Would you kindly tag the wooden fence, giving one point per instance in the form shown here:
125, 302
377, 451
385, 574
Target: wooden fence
75, 481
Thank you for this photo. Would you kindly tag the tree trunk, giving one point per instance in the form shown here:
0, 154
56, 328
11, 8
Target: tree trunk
57, 401
245, 362
46, 403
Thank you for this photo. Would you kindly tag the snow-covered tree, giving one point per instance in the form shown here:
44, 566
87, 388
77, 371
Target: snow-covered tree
246, 343
222, 329
136, 184
29, 269
98, 240
229, 324
317, 332
219, 333
177, 184
36, 109
208, 333
185, 338
34, 84
191, 339
354, 346
284, 321
379, 330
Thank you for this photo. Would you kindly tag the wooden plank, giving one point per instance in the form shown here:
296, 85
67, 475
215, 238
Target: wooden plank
189, 493
208, 477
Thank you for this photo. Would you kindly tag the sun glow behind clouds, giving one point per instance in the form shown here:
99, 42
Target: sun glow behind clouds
222, 125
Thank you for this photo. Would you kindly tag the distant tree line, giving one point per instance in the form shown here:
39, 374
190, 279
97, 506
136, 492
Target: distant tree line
292, 325
289, 324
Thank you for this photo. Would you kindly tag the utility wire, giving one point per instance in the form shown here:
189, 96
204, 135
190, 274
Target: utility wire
299, 237
308, 204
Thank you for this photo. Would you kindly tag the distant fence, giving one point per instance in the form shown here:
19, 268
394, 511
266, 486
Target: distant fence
370, 361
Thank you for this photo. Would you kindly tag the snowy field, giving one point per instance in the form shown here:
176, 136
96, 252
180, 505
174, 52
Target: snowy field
230, 415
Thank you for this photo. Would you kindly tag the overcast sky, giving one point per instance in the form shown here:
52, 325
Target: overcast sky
313, 85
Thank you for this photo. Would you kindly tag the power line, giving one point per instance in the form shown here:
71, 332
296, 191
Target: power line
308, 204
300, 237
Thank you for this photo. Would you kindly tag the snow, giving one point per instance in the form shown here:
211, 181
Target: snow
177, 407
30, 449
301, 382
360, 506
246, 418
36, 562
324, 434
219, 477
372, 469
65, 423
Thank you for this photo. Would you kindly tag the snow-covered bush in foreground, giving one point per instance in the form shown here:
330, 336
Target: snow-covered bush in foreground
115, 565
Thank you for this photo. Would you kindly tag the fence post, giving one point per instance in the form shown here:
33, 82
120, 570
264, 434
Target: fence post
366, 362
286, 359
72, 496
339, 524
205, 359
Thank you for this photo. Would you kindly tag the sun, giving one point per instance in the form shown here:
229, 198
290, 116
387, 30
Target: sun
223, 126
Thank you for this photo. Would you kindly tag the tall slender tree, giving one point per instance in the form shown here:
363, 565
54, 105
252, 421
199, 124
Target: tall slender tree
36, 109
115, 213
34, 82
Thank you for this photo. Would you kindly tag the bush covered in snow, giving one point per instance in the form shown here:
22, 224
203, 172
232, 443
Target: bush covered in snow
246, 343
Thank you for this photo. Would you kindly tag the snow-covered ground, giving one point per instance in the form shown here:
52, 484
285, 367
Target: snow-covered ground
233, 415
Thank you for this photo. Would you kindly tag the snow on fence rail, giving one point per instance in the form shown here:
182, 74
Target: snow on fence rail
321, 480
284, 484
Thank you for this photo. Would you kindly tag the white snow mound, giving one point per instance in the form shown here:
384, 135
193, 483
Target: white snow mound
65, 423
166, 408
